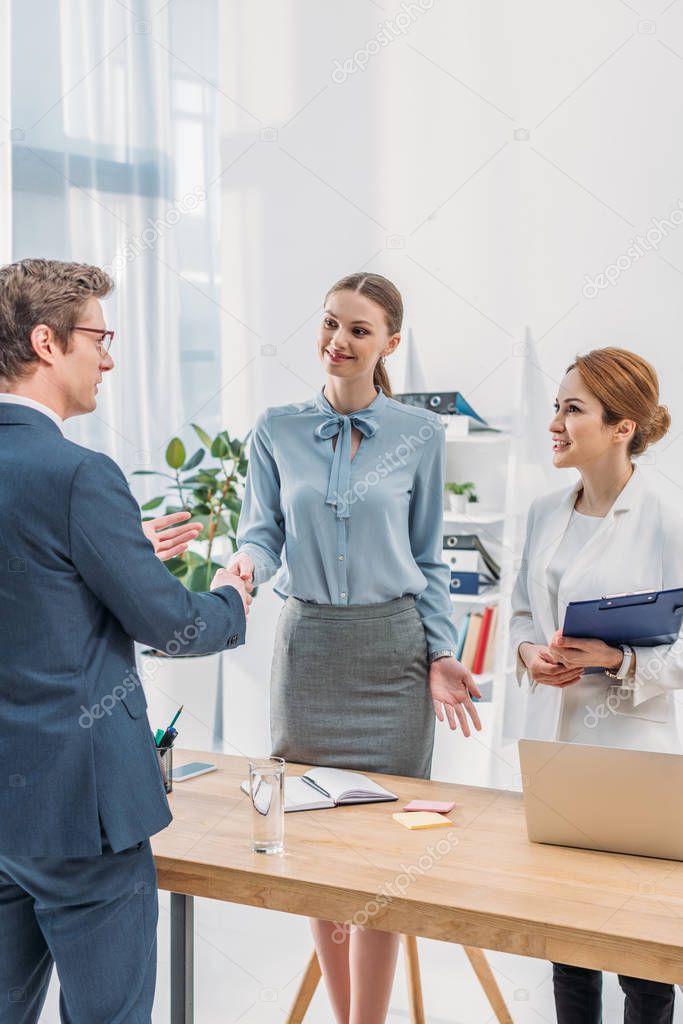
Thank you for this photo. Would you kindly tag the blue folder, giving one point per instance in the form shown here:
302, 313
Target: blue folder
642, 620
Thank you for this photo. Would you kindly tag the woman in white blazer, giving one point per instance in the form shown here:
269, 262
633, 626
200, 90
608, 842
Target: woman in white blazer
608, 533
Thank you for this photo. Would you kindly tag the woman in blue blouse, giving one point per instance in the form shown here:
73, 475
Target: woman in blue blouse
344, 497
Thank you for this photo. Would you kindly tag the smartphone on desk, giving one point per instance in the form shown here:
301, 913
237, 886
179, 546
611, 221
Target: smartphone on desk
191, 770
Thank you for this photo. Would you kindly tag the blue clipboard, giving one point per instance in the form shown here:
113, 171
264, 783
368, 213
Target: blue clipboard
642, 620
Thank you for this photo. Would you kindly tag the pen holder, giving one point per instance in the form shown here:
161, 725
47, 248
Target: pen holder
165, 759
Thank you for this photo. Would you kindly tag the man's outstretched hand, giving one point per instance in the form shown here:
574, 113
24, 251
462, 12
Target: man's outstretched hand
168, 539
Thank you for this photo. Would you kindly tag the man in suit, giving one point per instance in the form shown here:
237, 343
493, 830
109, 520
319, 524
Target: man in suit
80, 786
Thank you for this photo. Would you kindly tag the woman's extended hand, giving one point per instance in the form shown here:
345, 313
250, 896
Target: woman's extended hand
452, 688
170, 540
545, 667
582, 652
224, 578
241, 565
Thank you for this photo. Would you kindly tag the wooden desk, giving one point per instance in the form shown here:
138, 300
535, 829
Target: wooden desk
479, 882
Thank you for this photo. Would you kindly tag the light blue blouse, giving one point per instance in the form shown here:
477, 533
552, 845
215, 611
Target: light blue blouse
354, 531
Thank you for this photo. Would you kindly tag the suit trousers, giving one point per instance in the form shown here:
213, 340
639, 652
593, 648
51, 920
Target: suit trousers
95, 918
578, 997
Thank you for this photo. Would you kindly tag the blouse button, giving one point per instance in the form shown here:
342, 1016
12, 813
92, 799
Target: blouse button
343, 593
340, 557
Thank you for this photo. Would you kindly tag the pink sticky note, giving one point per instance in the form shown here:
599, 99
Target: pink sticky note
437, 806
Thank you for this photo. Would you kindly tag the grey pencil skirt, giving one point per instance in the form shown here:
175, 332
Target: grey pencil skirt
349, 687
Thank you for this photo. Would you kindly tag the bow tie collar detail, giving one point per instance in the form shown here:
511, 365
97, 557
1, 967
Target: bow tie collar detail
334, 424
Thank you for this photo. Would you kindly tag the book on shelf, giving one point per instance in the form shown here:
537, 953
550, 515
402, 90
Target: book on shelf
470, 648
489, 657
462, 633
320, 788
478, 640
482, 641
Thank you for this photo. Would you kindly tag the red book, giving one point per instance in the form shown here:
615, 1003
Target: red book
480, 654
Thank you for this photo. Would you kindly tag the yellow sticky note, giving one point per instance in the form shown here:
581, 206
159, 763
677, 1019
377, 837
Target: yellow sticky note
421, 819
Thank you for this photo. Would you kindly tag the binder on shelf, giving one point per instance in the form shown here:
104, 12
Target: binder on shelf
445, 403
462, 560
464, 583
456, 544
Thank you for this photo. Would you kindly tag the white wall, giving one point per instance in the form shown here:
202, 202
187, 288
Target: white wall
487, 160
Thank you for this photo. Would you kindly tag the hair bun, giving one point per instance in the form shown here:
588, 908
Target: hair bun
659, 424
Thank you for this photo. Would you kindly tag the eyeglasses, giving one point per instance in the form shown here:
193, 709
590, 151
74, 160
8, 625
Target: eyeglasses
103, 343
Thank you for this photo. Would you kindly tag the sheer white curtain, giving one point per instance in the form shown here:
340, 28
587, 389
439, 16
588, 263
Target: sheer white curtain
5, 142
111, 166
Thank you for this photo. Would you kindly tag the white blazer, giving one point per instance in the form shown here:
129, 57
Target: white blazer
637, 546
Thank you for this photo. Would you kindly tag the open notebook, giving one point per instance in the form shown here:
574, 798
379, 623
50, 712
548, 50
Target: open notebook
327, 787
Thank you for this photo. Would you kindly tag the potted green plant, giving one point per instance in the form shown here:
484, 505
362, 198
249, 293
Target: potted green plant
212, 493
210, 485
459, 496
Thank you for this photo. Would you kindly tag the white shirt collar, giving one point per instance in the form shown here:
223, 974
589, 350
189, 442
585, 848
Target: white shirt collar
32, 404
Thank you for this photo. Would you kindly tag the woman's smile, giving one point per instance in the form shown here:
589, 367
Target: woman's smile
336, 357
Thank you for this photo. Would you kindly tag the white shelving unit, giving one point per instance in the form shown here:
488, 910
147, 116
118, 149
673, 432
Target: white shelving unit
488, 597
475, 518
488, 460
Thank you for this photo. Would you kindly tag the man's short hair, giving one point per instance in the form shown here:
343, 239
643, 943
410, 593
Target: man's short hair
48, 292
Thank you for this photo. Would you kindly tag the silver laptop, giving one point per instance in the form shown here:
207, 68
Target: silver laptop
603, 798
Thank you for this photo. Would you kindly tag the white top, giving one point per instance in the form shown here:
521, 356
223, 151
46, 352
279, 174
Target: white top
580, 529
32, 404
577, 724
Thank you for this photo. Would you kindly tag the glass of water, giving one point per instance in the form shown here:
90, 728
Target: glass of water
267, 791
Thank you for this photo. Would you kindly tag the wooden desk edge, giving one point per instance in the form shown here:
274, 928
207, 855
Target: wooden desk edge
578, 947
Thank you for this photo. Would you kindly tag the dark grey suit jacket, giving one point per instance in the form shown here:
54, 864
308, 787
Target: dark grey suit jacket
79, 582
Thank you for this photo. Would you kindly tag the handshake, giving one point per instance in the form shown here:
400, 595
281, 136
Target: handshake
240, 575
171, 535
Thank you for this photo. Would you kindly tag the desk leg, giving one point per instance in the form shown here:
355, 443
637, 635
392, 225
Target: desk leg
182, 959
481, 968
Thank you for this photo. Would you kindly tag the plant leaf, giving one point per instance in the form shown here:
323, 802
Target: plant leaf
152, 503
175, 453
219, 447
233, 503
177, 567
194, 460
201, 576
151, 472
202, 435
